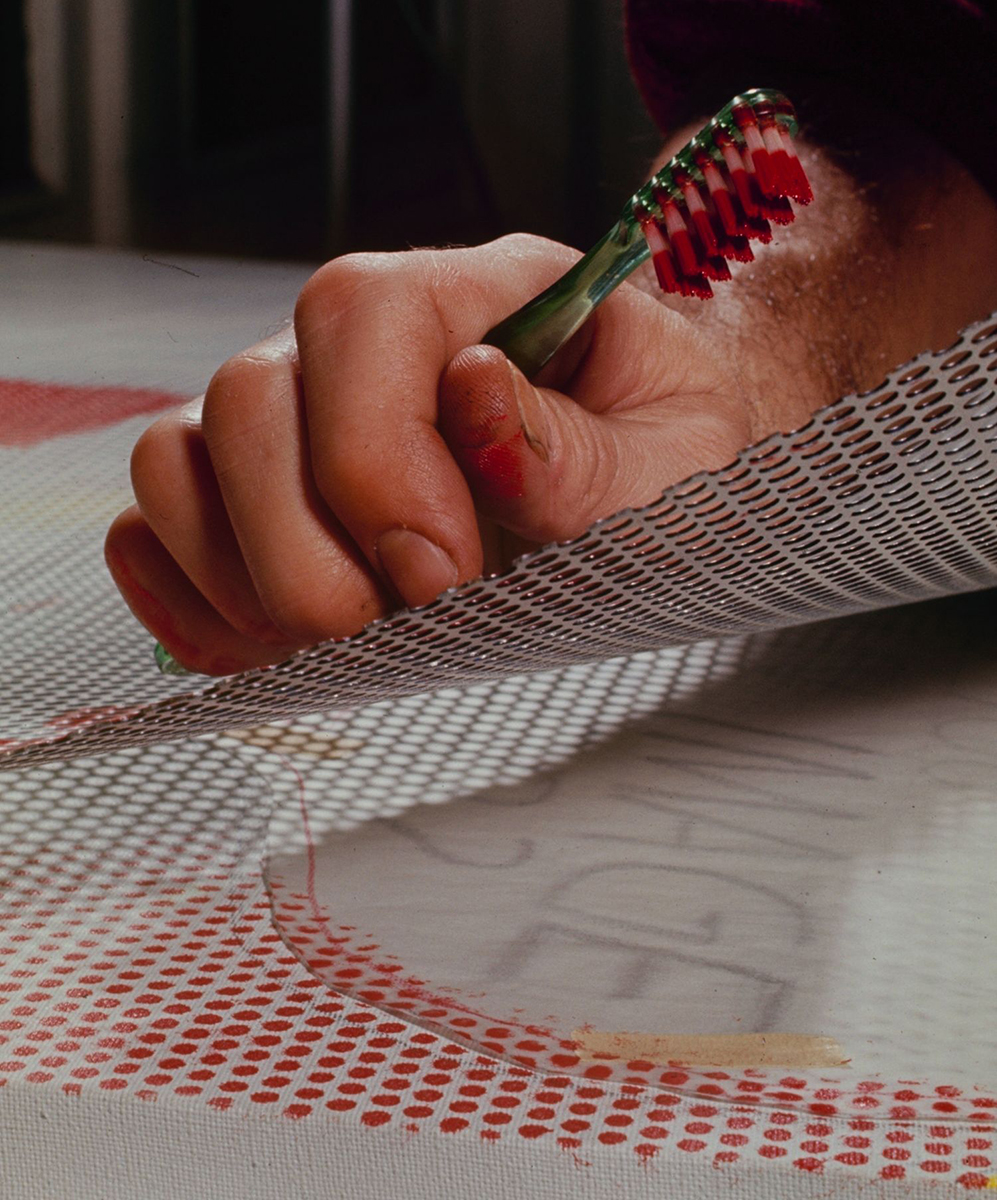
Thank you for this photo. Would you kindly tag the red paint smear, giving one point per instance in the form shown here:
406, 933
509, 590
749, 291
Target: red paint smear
499, 467
474, 431
78, 718
32, 412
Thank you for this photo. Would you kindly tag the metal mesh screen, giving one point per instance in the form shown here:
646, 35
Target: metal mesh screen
881, 499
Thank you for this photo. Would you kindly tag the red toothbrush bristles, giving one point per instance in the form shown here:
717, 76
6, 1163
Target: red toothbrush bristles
678, 235
738, 171
800, 189
709, 238
757, 155
730, 232
690, 261
779, 161
661, 255
703, 224
777, 209
697, 211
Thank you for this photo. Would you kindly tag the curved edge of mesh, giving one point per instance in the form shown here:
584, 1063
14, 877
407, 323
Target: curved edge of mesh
881, 498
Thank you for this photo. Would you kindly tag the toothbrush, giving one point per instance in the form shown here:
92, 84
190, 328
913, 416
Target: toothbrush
722, 190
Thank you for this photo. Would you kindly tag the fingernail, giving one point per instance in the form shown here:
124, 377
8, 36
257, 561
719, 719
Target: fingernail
418, 568
531, 416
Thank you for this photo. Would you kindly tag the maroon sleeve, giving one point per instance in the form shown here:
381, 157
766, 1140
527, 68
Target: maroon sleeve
933, 61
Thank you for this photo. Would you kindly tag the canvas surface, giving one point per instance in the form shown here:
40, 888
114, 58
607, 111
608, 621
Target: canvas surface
370, 898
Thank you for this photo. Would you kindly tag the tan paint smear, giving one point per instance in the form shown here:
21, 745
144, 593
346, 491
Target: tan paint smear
712, 1049
302, 741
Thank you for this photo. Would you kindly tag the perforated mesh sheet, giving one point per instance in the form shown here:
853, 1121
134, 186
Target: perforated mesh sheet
883, 498
634, 686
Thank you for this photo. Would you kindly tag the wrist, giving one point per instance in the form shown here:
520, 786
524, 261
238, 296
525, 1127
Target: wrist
897, 253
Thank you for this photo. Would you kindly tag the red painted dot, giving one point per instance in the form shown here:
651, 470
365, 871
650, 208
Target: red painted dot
418, 1111
654, 1131
534, 1131
698, 1127
575, 1126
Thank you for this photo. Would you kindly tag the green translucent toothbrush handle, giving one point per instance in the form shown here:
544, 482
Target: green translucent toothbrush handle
167, 664
535, 332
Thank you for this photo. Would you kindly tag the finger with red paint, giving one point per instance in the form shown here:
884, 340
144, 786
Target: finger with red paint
639, 403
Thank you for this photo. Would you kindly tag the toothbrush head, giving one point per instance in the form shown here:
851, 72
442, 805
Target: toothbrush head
724, 188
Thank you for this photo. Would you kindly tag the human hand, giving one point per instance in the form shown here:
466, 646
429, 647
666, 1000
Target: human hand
374, 455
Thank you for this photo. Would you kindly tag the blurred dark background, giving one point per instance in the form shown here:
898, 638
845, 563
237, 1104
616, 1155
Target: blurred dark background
305, 129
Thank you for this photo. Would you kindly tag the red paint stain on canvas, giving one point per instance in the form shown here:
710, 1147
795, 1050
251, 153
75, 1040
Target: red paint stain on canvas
32, 412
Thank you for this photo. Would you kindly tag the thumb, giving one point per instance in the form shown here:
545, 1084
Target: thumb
542, 466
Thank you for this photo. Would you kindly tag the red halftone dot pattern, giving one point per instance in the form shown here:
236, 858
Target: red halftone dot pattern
158, 978
351, 960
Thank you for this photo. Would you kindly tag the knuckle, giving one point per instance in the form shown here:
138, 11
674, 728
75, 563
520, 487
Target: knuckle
233, 391
338, 283
526, 246
235, 378
150, 446
519, 242
153, 459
